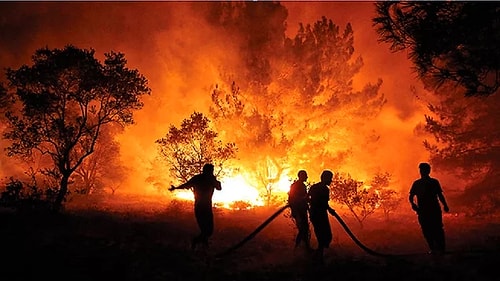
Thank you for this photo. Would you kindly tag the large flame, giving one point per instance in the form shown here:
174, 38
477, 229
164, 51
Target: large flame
237, 192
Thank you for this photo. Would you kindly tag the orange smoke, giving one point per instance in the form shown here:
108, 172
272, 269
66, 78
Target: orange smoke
179, 53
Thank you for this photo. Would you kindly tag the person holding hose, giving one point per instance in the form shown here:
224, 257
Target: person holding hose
297, 199
319, 195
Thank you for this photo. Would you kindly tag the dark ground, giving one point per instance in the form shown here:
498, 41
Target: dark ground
134, 239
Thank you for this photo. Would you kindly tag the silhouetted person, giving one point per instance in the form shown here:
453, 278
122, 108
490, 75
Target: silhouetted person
428, 192
297, 199
203, 186
319, 195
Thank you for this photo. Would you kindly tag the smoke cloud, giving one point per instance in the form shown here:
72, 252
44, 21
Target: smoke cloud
173, 45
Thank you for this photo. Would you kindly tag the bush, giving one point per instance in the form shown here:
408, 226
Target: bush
25, 197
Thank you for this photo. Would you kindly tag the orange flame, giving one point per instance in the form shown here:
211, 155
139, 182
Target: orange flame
238, 189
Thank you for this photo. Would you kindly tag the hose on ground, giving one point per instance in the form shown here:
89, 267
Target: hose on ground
278, 212
354, 238
252, 235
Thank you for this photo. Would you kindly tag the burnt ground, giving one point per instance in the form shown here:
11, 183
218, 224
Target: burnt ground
132, 238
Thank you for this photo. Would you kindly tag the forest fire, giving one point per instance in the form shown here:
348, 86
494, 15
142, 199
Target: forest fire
109, 111
303, 87
336, 123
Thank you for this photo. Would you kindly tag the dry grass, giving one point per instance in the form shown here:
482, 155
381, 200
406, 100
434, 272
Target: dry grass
147, 238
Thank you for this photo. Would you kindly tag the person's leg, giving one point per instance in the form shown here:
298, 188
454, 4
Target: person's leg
206, 224
303, 230
439, 236
298, 238
427, 231
296, 221
204, 219
306, 236
199, 220
323, 236
328, 233
208, 228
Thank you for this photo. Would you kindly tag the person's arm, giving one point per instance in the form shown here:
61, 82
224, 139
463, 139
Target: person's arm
411, 198
326, 199
218, 185
441, 197
443, 201
185, 185
331, 210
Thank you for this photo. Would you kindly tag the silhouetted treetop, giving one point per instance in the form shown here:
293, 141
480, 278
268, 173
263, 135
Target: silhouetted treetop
447, 41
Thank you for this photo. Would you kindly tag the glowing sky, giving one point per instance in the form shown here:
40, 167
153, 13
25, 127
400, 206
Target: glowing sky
170, 44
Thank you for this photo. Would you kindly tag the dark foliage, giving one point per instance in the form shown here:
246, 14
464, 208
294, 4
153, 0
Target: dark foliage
62, 102
448, 41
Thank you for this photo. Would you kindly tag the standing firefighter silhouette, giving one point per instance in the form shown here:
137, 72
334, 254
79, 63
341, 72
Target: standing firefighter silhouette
297, 199
203, 186
428, 193
319, 195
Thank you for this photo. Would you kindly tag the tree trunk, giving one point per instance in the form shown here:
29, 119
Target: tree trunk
62, 193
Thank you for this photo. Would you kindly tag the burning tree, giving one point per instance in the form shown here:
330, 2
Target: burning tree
188, 148
257, 132
361, 202
62, 103
294, 102
103, 168
389, 199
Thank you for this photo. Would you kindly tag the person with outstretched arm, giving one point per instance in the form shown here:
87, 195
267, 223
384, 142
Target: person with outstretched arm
203, 186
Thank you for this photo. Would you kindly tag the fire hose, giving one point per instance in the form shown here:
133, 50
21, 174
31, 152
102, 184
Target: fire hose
353, 237
277, 213
252, 235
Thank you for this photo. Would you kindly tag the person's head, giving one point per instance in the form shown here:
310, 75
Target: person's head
208, 169
425, 169
302, 175
326, 177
